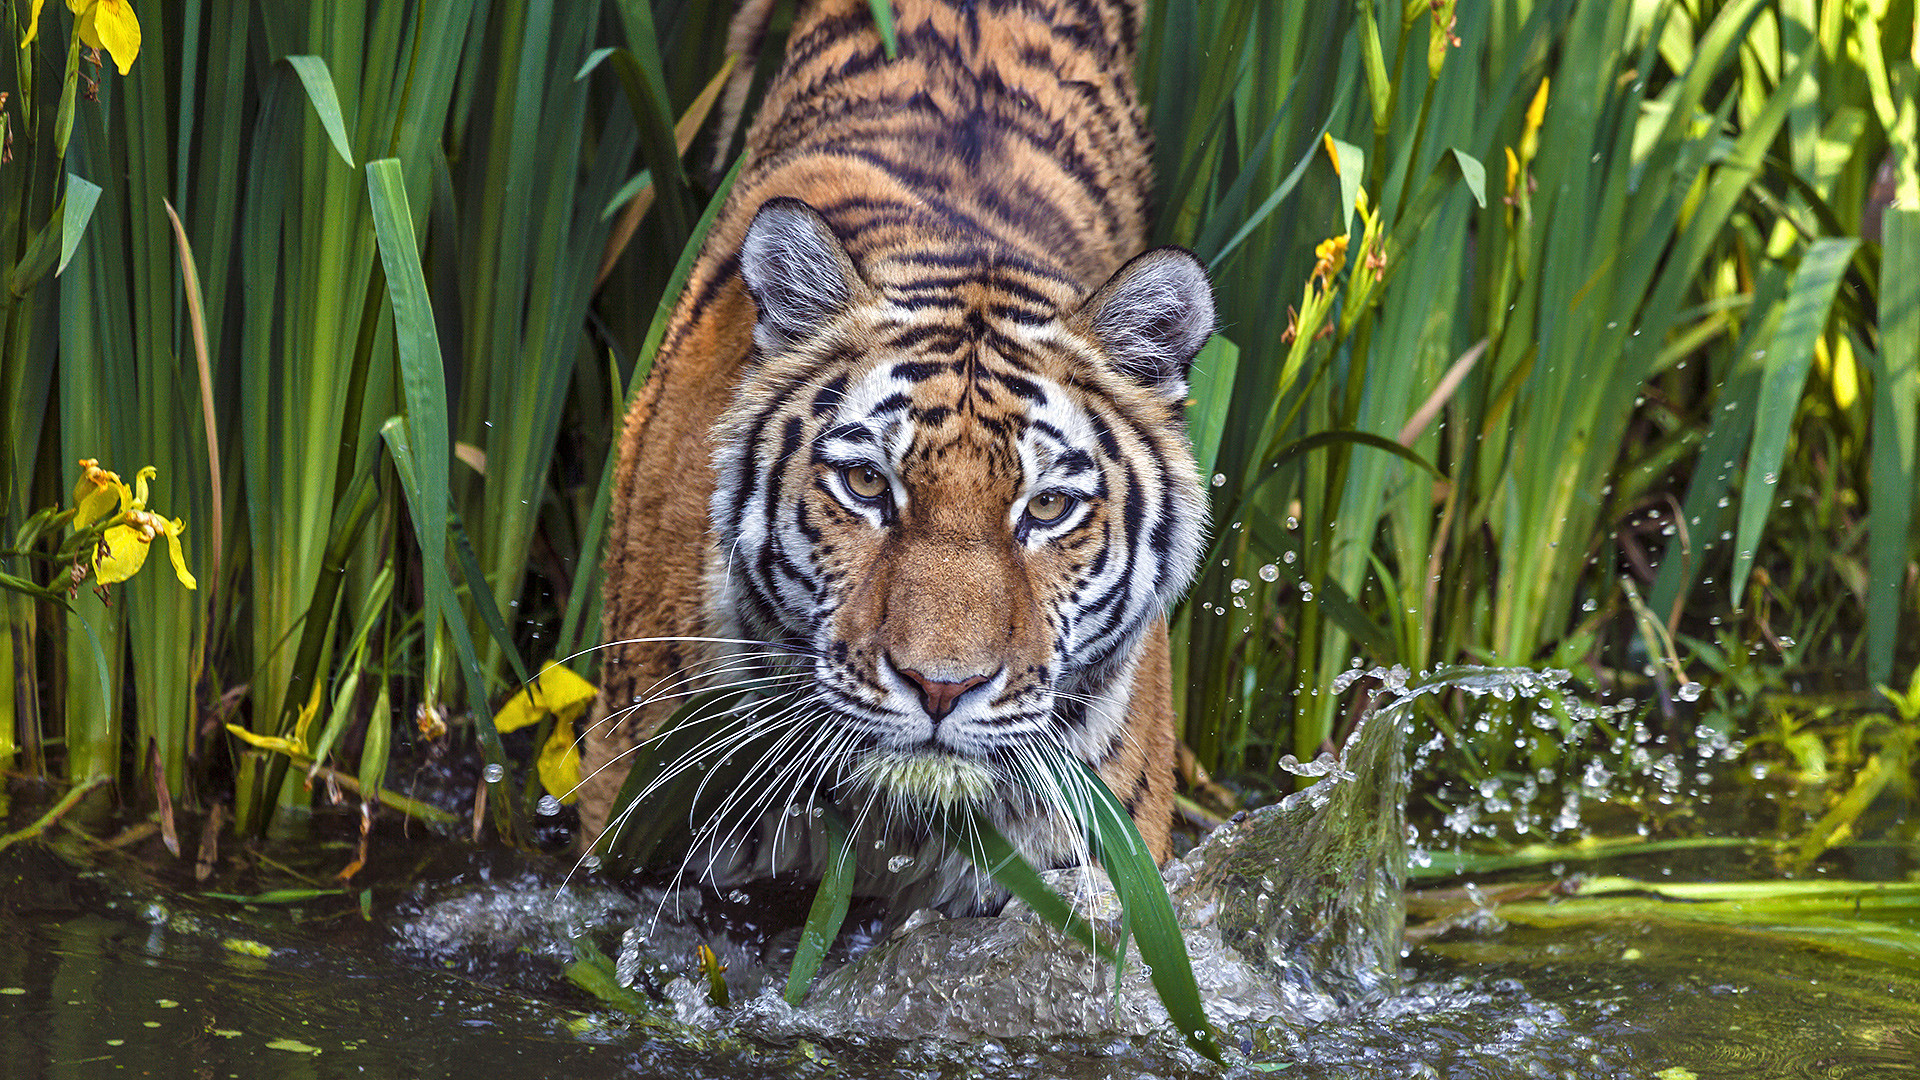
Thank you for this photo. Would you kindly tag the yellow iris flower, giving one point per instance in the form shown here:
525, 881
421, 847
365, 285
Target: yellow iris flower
134, 528
558, 692
102, 24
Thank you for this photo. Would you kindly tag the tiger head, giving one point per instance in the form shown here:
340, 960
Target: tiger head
963, 496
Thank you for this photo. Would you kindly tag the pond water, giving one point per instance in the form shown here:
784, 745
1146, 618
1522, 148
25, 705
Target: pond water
453, 962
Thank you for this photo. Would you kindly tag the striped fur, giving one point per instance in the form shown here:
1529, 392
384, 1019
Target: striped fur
901, 432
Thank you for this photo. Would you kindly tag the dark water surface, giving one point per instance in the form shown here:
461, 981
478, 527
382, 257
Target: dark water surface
102, 976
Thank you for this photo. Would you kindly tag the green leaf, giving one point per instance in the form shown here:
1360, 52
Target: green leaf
60, 236
1212, 378
1322, 439
1352, 169
326, 103
483, 599
970, 832
594, 59
625, 195
421, 370
592, 971
77, 210
646, 97
277, 896
1895, 470
1143, 897
830, 903
506, 811
1474, 173
883, 20
683, 767
1788, 358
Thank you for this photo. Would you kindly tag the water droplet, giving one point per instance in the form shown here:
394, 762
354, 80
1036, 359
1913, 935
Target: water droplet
1269, 572
1219, 479
1688, 691
547, 806
494, 772
1239, 585
899, 863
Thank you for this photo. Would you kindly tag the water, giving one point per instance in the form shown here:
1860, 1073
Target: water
1296, 928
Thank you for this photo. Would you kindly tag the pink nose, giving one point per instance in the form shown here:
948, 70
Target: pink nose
937, 697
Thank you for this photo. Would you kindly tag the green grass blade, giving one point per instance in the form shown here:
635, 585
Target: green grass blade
883, 21
483, 599
506, 810
646, 96
1212, 392
1894, 467
1143, 897
971, 833
593, 972
829, 910
422, 373
1788, 358
666, 771
326, 101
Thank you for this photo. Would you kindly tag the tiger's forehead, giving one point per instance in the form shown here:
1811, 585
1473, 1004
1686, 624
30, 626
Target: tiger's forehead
969, 400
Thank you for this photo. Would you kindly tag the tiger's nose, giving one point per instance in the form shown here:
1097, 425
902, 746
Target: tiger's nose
937, 696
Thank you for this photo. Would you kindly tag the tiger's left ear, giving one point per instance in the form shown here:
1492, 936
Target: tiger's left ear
1153, 316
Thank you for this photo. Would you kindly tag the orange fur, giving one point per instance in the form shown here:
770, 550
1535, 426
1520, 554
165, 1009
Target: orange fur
915, 599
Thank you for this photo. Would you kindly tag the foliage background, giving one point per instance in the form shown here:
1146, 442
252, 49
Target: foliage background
1643, 406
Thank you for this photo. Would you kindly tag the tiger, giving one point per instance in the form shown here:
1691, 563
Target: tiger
912, 459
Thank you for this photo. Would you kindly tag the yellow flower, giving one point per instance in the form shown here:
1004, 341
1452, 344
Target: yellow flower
109, 25
133, 530
102, 24
564, 695
1329, 256
33, 24
1536, 114
96, 493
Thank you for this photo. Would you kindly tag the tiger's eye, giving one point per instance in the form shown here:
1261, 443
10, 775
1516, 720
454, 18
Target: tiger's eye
865, 481
1049, 506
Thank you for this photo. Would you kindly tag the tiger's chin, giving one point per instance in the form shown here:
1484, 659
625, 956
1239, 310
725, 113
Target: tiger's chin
929, 779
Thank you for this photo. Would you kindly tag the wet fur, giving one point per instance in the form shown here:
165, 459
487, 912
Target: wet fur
1006, 156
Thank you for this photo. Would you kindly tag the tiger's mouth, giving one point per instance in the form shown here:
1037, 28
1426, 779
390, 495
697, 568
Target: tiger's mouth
931, 778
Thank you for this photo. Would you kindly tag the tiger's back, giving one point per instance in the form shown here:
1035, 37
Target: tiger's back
922, 311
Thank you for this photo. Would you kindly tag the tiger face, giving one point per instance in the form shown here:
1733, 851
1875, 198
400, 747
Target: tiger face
963, 506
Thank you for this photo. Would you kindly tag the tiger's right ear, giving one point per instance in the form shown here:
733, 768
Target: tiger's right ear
797, 271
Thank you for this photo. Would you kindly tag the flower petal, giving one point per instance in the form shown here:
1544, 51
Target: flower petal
33, 24
173, 529
559, 764
146, 473
555, 690
293, 747
111, 25
126, 553
98, 503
